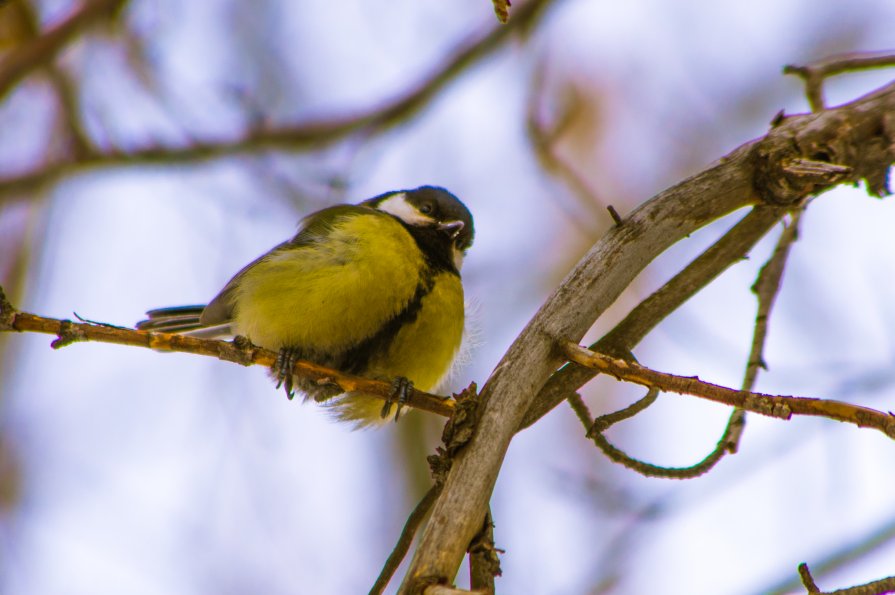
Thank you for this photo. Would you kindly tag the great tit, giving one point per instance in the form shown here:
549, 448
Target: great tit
371, 289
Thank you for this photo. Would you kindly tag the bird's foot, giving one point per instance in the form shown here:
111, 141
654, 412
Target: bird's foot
401, 389
282, 369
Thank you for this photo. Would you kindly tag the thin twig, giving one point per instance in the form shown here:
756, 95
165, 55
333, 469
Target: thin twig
845, 554
604, 422
815, 74
807, 579
502, 10
782, 407
450, 590
878, 587
411, 526
766, 288
617, 455
240, 352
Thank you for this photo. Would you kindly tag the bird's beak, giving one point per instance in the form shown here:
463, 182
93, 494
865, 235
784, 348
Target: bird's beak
453, 228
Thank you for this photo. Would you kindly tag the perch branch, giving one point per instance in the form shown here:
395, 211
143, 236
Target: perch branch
240, 352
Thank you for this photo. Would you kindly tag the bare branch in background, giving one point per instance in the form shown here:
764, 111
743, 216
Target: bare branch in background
405, 540
544, 138
43, 49
66, 95
842, 556
316, 135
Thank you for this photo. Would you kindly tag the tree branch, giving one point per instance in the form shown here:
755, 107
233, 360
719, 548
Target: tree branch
782, 407
41, 50
815, 74
858, 139
411, 526
766, 288
238, 351
731, 248
879, 587
300, 136
844, 554
502, 10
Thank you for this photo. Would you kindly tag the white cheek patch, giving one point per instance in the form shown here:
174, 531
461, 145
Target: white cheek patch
458, 258
398, 206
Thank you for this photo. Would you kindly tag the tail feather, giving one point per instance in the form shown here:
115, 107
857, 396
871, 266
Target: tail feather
193, 310
181, 319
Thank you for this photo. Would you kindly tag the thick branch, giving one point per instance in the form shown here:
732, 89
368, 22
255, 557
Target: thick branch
859, 136
241, 352
783, 407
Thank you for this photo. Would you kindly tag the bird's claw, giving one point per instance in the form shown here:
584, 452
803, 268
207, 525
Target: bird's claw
286, 359
400, 395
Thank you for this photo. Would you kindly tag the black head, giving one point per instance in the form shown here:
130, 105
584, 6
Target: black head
430, 207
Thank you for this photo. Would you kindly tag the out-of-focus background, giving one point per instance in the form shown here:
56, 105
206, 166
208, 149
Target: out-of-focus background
128, 471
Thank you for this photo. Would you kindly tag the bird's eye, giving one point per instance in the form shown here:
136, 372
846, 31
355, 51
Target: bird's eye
427, 209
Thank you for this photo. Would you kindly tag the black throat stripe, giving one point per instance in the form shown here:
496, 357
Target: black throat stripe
356, 359
435, 246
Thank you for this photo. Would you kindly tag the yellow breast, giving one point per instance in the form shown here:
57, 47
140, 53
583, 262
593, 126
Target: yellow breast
330, 295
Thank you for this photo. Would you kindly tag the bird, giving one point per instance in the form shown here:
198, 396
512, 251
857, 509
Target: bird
371, 289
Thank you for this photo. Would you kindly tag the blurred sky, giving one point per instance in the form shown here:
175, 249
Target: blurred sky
146, 473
